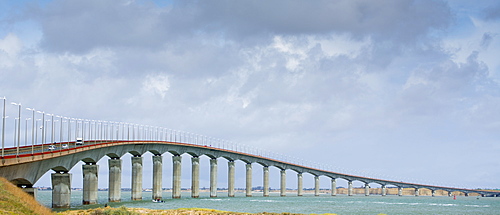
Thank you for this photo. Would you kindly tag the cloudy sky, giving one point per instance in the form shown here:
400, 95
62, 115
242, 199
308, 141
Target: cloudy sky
397, 89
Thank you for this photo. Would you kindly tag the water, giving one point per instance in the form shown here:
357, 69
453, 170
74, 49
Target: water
306, 204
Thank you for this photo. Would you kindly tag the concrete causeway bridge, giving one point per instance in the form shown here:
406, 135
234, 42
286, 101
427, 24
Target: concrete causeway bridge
74, 140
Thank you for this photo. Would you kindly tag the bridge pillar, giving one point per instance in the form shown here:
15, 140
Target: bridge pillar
195, 177
283, 183
334, 186
417, 191
349, 188
449, 193
90, 183
384, 190
176, 179
466, 194
30, 190
115, 180
157, 177
367, 189
249, 179
433, 193
400, 191
61, 190
300, 187
266, 180
316, 185
230, 180
136, 178
213, 177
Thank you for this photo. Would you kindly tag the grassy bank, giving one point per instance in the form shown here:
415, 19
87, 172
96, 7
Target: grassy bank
14, 200
136, 211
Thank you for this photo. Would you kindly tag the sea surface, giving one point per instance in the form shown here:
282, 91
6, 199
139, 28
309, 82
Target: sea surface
307, 204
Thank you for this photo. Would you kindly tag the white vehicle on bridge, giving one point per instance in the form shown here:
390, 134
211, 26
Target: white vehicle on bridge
52, 147
79, 141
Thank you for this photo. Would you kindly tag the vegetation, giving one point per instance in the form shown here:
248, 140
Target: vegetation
14, 200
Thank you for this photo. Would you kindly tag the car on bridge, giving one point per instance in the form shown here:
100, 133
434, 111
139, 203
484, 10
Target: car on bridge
51, 148
79, 141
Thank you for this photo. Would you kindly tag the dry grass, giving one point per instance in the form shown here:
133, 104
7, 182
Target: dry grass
14, 200
180, 211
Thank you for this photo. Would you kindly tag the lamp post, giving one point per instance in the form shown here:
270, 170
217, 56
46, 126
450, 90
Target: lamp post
18, 127
26, 132
43, 128
32, 130
3, 128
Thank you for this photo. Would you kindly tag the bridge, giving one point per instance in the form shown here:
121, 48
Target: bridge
74, 140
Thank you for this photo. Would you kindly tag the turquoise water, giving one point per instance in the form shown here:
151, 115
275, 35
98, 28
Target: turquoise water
307, 204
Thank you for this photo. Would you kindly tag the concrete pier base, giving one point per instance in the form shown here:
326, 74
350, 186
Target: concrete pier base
266, 181
300, 186
230, 178
157, 177
417, 191
176, 179
31, 191
433, 193
90, 183
367, 189
384, 190
213, 177
248, 179
61, 190
136, 178
115, 180
283, 183
349, 188
316, 185
400, 191
195, 177
334, 186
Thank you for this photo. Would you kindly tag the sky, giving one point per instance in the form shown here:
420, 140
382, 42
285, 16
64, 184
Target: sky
407, 90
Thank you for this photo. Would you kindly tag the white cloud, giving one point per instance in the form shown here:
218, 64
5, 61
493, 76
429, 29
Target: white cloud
156, 84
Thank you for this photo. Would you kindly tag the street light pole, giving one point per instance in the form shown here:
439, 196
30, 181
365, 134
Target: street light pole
32, 130
18, 128
26, 132
43, 128
3, 128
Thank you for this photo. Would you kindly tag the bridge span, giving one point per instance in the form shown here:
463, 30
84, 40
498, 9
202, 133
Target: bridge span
25, 165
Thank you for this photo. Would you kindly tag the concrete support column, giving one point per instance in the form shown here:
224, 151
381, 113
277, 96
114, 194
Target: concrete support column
115, 180
283, 183
449, 193
334, 186
176, 179
230, 180
195, 177
367, 189
316, 185
433, 193
266, 181
61, 190
349, 188
466, 194
136, 178
157, 177
417, 191
30, 190
384, 190
90, 183
213, 177
249, 180
300, 186
400, 191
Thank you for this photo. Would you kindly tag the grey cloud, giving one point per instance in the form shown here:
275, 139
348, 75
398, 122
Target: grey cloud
80, 26
492, 12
